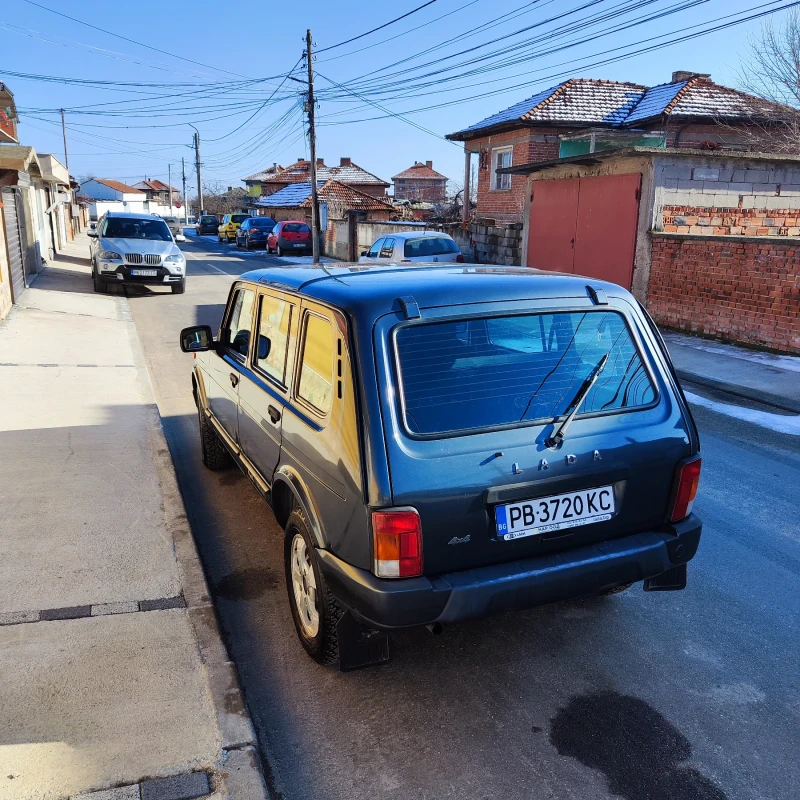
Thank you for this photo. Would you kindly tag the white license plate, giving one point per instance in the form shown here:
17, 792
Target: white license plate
554, 513
298, 244
145, 273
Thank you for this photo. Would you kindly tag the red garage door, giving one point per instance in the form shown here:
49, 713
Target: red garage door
586, 226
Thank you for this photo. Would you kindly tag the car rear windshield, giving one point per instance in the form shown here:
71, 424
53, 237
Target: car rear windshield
118, 228
208, 219
239, 218
430, 246
502, 371
262, 222
296, 227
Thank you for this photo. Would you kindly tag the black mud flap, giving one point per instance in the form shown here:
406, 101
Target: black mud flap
673, 580
359, 646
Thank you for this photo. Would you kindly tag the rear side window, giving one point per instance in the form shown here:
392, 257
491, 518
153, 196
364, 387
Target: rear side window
316, 371
273, 337
487, 372
430, 246
296, 227
237, 333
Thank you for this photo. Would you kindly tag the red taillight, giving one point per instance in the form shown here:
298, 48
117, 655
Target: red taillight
459, 259
397, 537
687, 477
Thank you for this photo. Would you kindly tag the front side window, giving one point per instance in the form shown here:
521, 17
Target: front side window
375, 249
493, 371
501, 158
237, 333
273, 337
316, 371
127, 228
387, 247
430, 246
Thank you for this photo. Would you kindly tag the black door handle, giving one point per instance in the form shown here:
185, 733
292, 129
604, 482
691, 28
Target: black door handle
274, 414
234, 379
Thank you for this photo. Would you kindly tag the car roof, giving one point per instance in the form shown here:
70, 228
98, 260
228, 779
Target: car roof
370, 290
416, 235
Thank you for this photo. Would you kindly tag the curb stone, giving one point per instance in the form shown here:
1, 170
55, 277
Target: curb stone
233, 719
745, 392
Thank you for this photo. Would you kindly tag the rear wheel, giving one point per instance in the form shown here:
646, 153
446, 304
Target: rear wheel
237, 242
615, 590
280, 251
214, 453
314, 609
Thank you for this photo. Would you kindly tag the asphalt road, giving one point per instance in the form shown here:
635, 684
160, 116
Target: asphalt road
691, 695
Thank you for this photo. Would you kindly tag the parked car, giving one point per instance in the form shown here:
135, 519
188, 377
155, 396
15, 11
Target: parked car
135, 248
208, 223
176, 228
291, 236
440, 443
420, 246
229, 225
253, 232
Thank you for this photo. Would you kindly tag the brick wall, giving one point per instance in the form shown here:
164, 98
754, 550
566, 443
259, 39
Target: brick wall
734, 289
732, 221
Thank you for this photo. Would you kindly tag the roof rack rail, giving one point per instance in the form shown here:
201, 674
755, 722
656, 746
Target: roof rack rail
409, 306
598, 296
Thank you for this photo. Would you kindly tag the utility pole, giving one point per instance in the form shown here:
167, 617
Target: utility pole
312, 141
66, 164
197, 166
185, 206
169, 183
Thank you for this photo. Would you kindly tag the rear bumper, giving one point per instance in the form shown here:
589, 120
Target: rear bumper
529, 582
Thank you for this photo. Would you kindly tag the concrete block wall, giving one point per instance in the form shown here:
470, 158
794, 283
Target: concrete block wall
497, 244
730, 288
696, 194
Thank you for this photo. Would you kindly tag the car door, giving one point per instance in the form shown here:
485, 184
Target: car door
263, 390
242, 231
386, 250
229, 361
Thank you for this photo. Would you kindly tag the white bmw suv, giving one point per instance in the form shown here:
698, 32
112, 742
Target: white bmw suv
135, 248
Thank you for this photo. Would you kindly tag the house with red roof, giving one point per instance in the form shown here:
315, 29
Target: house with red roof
420, 183
158, 192
347, 172
586, 115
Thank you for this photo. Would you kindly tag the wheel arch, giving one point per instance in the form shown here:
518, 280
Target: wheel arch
289, 490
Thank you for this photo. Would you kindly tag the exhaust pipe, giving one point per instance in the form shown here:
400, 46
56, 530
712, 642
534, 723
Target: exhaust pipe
436, 628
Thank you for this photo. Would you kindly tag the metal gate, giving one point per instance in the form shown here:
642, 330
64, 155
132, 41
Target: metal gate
586, 226
14, 239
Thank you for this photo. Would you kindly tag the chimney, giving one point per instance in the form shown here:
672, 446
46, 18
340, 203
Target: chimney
230, 189
345, 162
320, 162
685, 74
429, 164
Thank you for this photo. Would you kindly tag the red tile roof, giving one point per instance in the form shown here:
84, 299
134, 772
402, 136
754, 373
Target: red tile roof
300, 172
420, 171
119, 186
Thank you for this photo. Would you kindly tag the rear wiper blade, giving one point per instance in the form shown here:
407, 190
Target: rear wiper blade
575, 404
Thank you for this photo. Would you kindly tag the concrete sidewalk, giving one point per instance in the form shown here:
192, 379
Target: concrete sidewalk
763, 377
112, 669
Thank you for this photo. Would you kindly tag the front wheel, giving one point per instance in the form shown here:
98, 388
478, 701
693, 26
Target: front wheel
99, 284
179, 288
314, 609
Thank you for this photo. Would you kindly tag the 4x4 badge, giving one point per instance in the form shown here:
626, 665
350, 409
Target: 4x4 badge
462, 540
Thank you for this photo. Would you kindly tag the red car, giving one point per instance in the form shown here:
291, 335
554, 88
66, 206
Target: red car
290, 236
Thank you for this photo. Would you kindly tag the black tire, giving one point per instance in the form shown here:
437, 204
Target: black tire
214, 454
247, 245
324, 646
99, 284
615, 590
238, 246
179, 288
280, 251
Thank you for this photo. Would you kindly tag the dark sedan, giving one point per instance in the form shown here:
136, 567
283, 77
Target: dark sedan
208, 223
253, 232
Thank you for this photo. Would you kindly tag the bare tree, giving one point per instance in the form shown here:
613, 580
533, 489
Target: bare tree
219, 199
770, 69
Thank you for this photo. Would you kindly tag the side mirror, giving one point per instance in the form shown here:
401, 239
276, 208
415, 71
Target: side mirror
92, 233
264, 346
196, 339
93, 225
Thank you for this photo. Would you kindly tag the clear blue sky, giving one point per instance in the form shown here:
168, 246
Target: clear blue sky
238, 42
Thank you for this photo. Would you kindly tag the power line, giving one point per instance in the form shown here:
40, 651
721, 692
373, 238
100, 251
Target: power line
380, 27
132, 41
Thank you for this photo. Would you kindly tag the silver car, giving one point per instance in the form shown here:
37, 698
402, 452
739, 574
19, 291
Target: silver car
176, 228
414, 246
135, 248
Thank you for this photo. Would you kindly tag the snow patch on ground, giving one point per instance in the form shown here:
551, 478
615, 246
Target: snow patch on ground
779, 423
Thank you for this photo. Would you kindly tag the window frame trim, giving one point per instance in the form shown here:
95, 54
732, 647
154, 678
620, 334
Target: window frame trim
539, 421
254, 365
306, 314
508, 148
227, 348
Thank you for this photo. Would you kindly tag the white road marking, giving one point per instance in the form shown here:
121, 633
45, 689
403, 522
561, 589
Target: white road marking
776, 422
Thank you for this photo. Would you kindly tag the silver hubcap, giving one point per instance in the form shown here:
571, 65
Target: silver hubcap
304, 586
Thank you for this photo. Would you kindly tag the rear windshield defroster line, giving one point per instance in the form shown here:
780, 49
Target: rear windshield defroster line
470, 375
